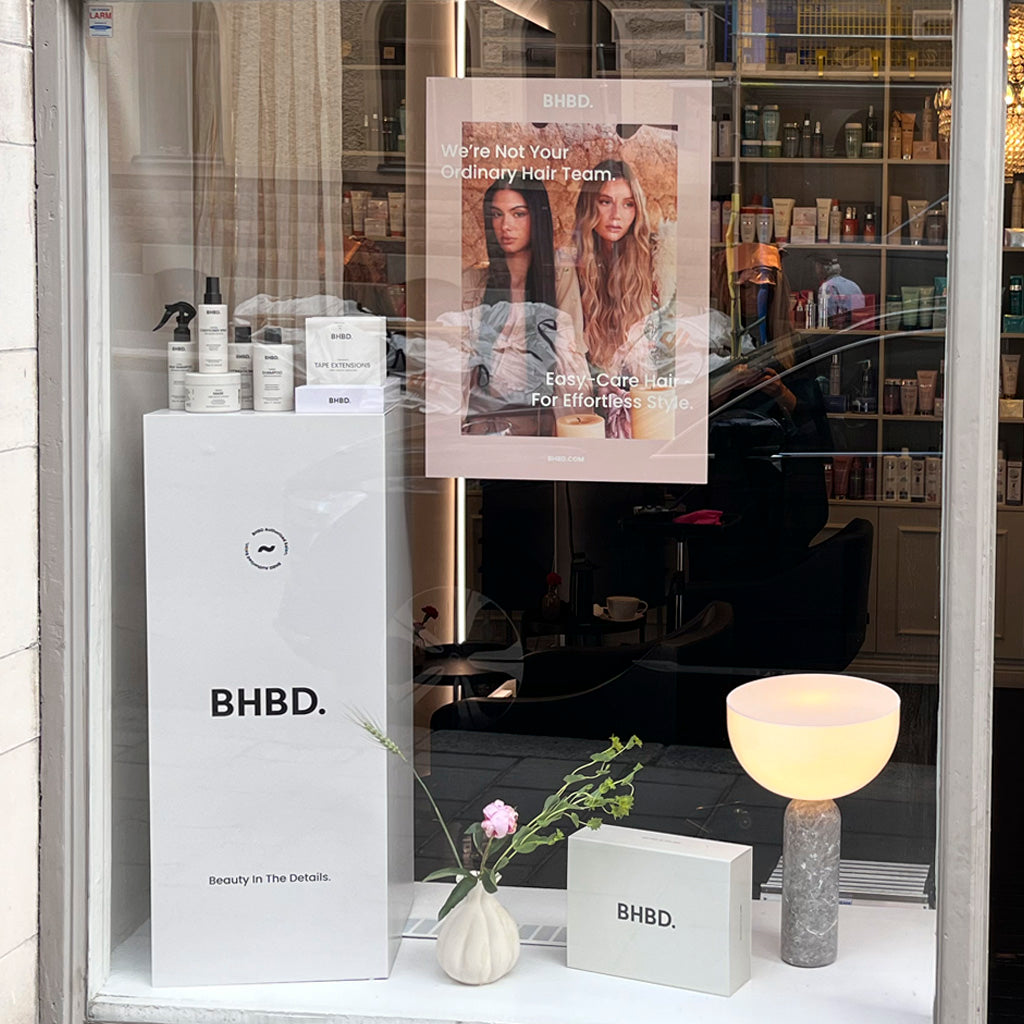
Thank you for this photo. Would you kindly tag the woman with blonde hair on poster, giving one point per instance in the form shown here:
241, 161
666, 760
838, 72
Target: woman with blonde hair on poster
615, 249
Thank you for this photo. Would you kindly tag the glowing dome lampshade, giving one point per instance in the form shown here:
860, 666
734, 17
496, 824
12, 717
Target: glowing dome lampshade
812, 738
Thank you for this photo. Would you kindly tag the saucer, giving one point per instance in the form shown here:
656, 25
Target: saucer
603, 616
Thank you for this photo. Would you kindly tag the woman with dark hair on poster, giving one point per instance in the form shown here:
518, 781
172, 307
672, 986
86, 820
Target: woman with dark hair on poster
521, 307
615, 249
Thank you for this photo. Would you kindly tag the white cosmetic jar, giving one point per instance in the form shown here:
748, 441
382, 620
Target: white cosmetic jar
213, 392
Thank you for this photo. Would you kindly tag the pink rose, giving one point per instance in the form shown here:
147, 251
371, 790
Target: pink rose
500, 820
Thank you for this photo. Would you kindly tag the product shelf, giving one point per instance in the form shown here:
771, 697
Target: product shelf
815, 161
840, 75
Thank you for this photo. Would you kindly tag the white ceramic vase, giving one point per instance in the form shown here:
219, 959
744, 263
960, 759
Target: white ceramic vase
479, 940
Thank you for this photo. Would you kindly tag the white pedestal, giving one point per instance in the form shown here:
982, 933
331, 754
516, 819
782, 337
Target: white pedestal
277, 583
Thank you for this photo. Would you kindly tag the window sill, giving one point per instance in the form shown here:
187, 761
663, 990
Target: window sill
885, 974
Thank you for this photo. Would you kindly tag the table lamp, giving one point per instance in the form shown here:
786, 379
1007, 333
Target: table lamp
812, 738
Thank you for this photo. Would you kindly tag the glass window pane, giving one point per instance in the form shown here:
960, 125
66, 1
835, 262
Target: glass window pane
565, 226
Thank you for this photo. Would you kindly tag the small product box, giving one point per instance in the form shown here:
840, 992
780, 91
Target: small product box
1013, 324
805, 216
926, 151
802, 234
917, 479
890, 477
716, 220
836, 403
1013, 482
1011, 408
669, 909
377, 218
347, 350
932, 479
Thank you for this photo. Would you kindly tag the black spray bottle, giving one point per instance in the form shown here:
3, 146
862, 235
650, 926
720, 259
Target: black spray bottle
182, 356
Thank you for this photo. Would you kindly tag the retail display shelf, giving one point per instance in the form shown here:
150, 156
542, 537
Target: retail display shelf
884, 974
861, 246
821, 161
878, 503
928, 77
849, 332
718, 75
811, 75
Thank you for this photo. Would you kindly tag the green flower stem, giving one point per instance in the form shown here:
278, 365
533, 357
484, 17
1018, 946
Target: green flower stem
392, 747
437, 814
599, 792
483, 856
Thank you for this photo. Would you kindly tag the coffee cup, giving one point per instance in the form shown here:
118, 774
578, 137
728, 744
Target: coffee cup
620, 608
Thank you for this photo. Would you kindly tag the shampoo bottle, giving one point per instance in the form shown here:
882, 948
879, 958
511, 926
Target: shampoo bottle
725, 136
903, 475
929, 121
835, 376
240, 360
870, 227
871, 126
273, 373
869, 480
181, 352
889, 477
213, 330
835, 223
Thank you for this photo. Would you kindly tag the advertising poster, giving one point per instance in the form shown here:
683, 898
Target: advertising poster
567, 279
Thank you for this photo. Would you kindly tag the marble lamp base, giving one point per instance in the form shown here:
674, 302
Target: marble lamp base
810, 883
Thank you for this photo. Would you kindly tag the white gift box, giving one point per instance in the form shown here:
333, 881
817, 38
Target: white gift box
657, 907
348, 350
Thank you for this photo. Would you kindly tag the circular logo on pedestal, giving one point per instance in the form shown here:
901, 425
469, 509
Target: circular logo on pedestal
266, 548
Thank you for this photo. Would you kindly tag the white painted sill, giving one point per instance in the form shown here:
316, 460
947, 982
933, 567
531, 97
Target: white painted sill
885, 974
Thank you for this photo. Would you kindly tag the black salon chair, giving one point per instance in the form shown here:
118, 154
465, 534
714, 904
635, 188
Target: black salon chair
663, 692
810, 615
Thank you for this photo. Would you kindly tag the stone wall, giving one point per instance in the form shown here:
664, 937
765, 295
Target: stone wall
19, 630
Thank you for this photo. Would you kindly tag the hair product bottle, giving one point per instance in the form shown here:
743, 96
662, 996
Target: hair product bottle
240, 360
725, 135
817, 141
871, 126
181, 352
903, 475
273, 373
213, 330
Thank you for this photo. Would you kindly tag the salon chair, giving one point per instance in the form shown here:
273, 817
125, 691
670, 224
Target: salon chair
810, 614
663, 692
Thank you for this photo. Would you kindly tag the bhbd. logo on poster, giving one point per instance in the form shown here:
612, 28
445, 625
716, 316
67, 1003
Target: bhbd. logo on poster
271, 701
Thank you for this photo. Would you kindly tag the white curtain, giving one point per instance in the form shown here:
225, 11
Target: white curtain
268, 171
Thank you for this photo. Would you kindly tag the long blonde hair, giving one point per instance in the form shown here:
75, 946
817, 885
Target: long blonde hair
616, 292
